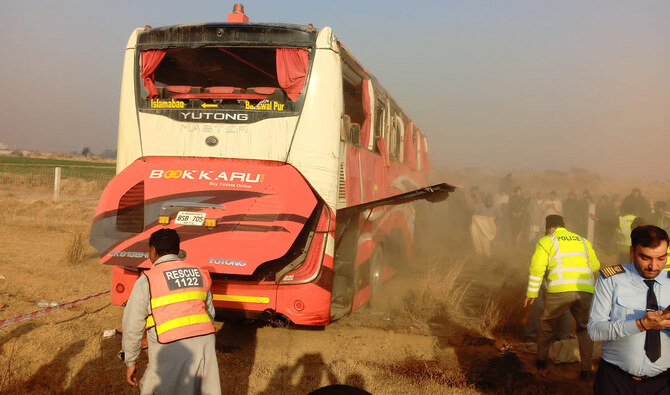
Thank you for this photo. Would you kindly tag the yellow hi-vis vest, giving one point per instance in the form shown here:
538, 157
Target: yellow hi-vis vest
623, 233
567, 259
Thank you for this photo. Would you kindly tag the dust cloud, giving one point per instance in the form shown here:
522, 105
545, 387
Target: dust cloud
457, 273
468, 294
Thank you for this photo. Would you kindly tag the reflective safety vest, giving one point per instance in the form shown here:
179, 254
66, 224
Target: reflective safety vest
623, 233
567, 259
178, 294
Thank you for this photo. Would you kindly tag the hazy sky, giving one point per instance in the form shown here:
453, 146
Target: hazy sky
494, 84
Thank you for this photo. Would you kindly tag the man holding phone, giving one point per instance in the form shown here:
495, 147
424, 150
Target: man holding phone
630, 314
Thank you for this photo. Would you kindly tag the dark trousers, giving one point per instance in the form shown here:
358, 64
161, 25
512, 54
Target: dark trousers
555, 305
612, 380
534, 314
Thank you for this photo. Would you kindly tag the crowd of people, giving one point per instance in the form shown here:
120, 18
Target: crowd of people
515, 217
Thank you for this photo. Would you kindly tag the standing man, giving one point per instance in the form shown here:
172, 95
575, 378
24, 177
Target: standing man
623, 243
639, 204
568, 261
515, 210
606, 223
483, 228
553, 206
575, 212
627, 315
173, 300
535, 217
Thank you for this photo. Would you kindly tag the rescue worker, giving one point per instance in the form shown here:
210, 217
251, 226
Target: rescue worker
567, 261
173, 300
626, 218
628, 315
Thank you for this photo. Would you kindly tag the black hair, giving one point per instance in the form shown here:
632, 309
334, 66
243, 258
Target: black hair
165, 241
648, 236
554, 221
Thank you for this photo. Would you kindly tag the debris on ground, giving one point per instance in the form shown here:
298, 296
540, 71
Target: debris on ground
46, 303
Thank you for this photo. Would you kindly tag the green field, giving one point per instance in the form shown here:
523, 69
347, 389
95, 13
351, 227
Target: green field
85, 170
79, 177
25, 161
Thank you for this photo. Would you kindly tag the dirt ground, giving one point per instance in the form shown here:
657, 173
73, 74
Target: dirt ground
441, 348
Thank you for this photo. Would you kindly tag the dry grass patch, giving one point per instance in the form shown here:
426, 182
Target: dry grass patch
439, 293
504, 311
445, 295
79, 187
75, 247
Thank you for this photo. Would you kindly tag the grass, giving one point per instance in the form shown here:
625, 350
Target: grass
7, 376
83, 172
504, 311
444, 295
27, 173
28, 161
75, 249
491, 318
87, 182
439, 293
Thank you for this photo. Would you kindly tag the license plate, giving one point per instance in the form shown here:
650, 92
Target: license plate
190, 218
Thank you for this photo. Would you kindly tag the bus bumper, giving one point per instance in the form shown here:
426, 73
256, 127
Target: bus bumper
302, 304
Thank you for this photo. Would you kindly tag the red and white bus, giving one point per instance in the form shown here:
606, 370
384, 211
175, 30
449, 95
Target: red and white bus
275, 155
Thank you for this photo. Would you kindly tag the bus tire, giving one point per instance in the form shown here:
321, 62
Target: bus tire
376, 267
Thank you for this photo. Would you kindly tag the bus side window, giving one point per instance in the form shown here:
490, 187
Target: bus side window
380, 122
395, 139
418, 140
352, 94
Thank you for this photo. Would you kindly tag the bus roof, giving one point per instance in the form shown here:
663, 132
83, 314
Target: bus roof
229, 34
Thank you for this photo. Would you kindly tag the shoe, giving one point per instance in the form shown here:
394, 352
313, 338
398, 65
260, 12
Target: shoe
585, 375
541, 364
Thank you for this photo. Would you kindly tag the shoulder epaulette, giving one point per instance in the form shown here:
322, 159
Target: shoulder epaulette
611, 270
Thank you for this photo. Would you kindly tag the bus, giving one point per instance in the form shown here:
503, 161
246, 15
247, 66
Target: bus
286, 168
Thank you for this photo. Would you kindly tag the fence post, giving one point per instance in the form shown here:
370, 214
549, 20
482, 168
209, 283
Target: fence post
56, 184
592, 223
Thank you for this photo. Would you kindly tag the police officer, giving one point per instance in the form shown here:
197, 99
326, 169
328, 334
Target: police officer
173, 300
627, 314
567, 261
